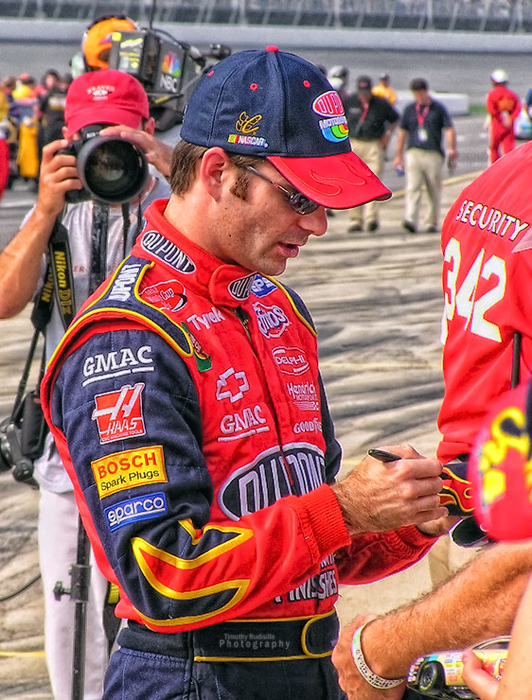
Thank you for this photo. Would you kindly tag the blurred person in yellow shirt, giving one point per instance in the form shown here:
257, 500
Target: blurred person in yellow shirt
384, 89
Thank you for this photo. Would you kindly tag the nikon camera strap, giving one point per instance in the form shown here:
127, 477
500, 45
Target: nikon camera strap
100, 228
59, 278
58, 282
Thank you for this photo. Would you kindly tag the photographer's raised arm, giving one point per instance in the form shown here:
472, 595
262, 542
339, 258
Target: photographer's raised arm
21, 259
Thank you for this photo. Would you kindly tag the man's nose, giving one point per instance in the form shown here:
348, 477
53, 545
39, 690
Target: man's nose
316, 222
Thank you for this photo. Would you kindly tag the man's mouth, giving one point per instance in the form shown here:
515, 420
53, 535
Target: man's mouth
291, 250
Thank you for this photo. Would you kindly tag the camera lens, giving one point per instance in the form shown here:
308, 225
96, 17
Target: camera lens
6, 460
113, 170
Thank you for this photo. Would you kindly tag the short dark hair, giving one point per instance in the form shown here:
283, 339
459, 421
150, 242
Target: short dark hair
418, 84
185, 159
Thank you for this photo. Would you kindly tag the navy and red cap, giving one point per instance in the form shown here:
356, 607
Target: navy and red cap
278, 106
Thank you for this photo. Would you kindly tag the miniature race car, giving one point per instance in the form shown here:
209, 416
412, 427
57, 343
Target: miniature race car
439, 675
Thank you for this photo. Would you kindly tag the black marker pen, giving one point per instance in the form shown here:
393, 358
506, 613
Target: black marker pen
383, 455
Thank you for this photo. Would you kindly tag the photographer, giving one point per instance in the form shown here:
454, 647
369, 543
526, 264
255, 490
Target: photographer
113, 98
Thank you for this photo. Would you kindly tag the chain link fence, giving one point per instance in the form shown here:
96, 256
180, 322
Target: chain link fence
511, 16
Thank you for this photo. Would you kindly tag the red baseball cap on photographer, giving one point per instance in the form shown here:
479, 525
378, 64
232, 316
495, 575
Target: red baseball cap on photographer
105, 97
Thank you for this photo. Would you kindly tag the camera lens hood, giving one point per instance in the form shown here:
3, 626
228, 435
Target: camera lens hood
112, 169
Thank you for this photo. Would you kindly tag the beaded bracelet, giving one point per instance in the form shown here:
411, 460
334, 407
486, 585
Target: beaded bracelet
365, 671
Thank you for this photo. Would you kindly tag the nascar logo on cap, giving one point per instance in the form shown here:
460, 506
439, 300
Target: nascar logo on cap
329, 105
247, 126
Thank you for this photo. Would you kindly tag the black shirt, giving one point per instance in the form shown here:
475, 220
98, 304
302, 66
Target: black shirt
424, 126
372, 125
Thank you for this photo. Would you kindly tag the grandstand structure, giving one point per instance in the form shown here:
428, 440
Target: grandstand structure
506, 16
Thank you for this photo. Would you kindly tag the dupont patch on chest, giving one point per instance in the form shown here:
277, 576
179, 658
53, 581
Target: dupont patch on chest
128, 469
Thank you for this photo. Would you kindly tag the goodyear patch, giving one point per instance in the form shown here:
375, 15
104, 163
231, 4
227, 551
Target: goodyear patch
128, 469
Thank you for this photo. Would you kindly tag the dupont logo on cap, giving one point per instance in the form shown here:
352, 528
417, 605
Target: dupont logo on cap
277, 105
334, 127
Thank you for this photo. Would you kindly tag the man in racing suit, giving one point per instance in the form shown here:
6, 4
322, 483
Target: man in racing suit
504, 106
187, 403
114, 98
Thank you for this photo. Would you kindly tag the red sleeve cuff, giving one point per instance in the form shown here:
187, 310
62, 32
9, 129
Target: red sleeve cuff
410, 538
322, 522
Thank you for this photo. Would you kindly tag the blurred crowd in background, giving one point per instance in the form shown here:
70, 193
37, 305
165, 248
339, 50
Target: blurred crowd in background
31, 115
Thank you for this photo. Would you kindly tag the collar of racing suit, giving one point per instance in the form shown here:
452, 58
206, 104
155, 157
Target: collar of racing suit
225, 285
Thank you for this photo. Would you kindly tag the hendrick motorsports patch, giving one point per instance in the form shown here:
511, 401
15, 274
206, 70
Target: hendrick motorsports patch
125, 470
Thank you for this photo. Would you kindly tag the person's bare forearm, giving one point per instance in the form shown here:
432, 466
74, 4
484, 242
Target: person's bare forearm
21, 259
20, 263
477, 603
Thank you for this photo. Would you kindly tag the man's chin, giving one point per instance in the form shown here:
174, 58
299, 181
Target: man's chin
273, 270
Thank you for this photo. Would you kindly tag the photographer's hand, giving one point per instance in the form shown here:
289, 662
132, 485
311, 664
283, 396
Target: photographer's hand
158, 153
58, 175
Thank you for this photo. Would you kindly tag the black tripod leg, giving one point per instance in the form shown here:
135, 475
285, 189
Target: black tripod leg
80, 577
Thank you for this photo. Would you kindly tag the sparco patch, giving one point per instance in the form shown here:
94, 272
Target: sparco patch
160, 247
130, 468
135, 509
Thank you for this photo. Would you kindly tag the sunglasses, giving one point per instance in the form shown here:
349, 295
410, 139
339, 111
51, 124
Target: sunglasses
299, 203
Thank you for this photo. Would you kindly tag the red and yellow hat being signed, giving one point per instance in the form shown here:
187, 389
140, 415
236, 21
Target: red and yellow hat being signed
500, 468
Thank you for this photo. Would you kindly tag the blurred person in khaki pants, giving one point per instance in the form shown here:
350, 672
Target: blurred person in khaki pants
423, 124
371, 121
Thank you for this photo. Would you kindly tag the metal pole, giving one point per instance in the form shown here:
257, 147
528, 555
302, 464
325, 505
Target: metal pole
80, 577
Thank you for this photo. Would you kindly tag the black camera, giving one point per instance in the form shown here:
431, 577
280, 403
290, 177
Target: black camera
167, 69
22, 439
112, 170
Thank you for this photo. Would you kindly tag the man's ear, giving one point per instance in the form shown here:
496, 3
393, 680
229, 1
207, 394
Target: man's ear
215, 171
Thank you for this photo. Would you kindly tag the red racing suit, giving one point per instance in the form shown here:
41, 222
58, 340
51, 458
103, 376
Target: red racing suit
487, 269
188, 409
504, 106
